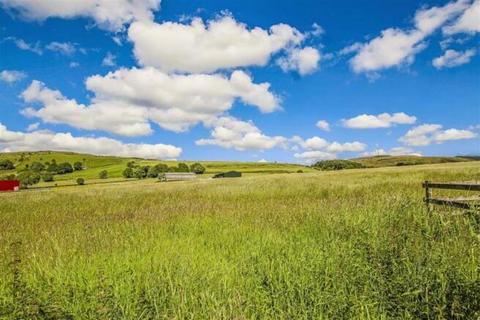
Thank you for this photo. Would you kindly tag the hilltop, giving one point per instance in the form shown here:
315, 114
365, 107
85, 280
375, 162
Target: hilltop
391, 161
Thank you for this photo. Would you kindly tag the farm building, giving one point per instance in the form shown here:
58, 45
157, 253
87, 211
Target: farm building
228, 174
178, 176
9, 185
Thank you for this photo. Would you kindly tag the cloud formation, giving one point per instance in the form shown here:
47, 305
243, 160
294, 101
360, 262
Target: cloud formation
427, 134
127, 100
384, 120
47, 140
12, 76
304, 61
323, 125
452, 58
317, 148
107, 14
395, 47
469, 21
222, 43
231, 133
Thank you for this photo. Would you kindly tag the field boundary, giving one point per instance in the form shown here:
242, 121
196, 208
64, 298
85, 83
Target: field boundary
459, 202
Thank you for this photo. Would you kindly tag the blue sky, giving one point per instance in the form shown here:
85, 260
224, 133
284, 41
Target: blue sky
287, 81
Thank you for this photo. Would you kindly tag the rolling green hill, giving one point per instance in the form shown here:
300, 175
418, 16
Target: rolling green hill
115, 165
391, 161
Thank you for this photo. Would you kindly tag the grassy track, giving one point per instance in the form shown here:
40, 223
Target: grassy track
324, 245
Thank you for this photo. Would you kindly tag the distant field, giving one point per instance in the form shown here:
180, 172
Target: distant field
115, 165
353, 244
390, 161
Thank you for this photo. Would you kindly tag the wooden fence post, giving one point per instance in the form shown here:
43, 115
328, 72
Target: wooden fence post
428, 195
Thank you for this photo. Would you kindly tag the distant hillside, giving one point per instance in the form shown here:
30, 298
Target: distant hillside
115, 165
391, 161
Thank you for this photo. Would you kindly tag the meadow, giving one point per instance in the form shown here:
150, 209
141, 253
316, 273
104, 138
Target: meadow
353, 244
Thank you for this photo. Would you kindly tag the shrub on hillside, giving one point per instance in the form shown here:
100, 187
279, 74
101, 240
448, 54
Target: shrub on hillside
337, 165
182, 167
154, 171
28, 178
197, 168
47, 177
78, 166
37, 166
64, 168
6, 165
80, 181
128, 173
141, 172
103, 174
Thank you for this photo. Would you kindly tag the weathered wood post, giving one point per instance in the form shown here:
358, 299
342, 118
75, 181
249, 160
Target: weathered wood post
428, 195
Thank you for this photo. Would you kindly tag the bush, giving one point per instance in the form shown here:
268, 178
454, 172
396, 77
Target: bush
182, 167
47, 177
197, 168
6, 165
28, 178
80, 181
141, 172
337, 165
78, 166
64, 168
103, 174
128, 172
154, 171
37, 167
299, 171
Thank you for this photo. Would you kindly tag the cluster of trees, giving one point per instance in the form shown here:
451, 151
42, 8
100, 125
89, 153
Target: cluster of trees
141, 172
337, 165
36, 171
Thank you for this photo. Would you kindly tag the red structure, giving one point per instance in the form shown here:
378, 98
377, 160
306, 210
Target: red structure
9, 185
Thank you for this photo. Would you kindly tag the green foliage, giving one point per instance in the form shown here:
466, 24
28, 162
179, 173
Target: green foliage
128, 173
6, 165
182, 167
154, 171
64, 168
103, 174
337, 165
8, 177
141, 172
197, 168
47, 177
390, 161
77, 166
37, 166
131, 164
28, 178
80, 181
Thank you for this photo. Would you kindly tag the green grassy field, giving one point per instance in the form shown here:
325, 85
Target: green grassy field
322, 245
391, 161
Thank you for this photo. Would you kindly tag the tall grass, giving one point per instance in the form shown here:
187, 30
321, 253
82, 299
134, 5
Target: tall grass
337, 245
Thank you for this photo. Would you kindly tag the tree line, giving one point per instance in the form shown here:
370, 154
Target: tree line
141, 172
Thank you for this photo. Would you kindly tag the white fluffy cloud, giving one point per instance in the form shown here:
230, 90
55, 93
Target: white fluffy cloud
323, 124
109, 60
469, 21
47, 140
396, 47
232, 133
220, 44
317, 148
108, 14
427, 134
11, 76
127, 100
304, 61
452, 58
384, 120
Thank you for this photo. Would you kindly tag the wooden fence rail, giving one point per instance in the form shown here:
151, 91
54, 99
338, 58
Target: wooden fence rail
459, 202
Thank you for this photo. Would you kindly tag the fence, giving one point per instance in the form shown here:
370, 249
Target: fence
459, 202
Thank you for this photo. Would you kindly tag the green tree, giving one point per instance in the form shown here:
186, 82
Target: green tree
64, 168
47, 177
80, 181
157, 169
141, 172
6, 165
131, 164
78, 166
128, 172
182, 167
37, 166
28, 178
197, 168
103, 174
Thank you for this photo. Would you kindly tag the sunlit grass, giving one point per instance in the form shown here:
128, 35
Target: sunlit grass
324, 245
